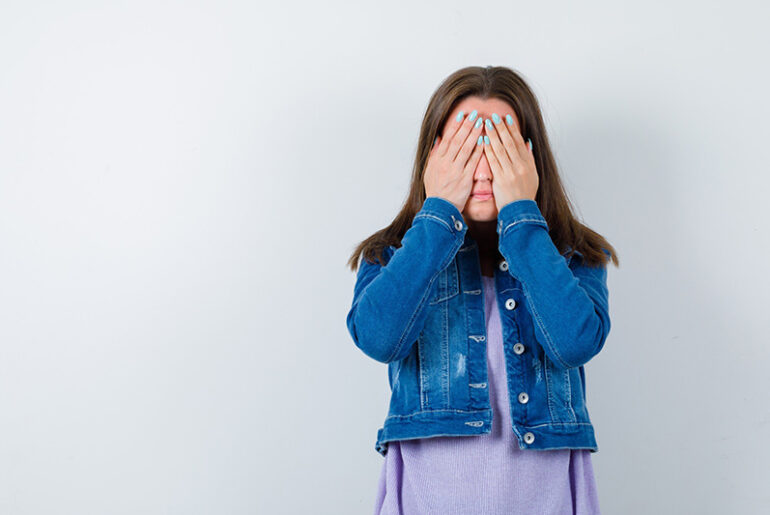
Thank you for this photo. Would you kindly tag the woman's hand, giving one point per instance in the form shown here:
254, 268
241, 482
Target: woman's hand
453, 159
514, 176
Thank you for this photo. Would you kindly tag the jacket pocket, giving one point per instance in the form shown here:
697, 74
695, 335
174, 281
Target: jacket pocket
559, 386
446, 284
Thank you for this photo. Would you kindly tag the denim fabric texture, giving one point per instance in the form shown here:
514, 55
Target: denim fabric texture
422, 313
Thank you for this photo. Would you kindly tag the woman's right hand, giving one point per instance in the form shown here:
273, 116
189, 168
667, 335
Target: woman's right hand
453, 159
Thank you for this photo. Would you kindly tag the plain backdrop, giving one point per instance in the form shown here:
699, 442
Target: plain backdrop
181, 184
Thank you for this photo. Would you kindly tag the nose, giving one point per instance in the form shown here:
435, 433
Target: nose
482, 171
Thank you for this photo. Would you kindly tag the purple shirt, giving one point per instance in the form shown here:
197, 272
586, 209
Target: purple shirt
486, 474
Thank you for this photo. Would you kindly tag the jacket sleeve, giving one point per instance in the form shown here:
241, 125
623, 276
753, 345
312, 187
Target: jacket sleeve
568, 302
390, 302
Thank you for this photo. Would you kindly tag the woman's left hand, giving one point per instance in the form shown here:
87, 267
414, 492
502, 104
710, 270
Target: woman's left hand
514, 176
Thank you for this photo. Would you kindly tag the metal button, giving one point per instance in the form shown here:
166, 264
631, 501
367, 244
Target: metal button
458, 225
510, 304
523, 397
529, 438
504, 265
518, 348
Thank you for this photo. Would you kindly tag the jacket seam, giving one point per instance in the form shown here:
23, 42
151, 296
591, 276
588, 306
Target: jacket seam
538, 220
431, 216
425, 295
547, 335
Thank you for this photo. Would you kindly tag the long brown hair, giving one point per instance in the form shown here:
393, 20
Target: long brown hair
503, 83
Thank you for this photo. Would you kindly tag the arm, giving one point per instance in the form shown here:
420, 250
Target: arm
389, 302
569, 303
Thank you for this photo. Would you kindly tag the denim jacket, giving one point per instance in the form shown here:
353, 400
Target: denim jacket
422, 313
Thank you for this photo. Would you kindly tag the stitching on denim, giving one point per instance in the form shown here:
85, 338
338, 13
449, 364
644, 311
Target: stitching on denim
450, 271
539, 320
420, 306
551, 424
445, 382
568, 400
537, 220
433, 217
431, 411
420, 354
472, 292
549, 388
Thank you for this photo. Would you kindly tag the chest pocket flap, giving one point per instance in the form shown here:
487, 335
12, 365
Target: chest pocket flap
446, 284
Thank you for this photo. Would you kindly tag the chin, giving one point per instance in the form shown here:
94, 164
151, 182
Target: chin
485, 213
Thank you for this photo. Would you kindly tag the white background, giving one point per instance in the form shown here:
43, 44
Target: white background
181, 184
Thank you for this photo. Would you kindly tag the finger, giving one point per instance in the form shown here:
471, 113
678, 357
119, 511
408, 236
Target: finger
494, 163
435, 147
450, 130
505, 137
515, 131
475, 157
497, 144
471, 141
461, 136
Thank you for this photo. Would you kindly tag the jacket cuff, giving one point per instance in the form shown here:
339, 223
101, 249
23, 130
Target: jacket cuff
522, 211
445, 213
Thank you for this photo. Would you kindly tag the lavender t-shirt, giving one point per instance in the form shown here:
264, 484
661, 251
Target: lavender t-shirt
485, 474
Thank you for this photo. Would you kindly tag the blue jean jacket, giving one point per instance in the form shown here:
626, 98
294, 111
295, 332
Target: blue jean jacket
422, 313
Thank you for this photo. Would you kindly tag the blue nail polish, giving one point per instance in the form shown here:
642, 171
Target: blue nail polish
486, 138
509, 119
489, 123
473, 115
478, 124
495, 118
529, 142
459, 116
481, 139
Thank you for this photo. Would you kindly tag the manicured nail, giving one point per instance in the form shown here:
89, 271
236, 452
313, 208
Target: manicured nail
509, 119
435, 140
481, 139
459, 116
529, 142
489, 123
495, 118
478, 124
473, 115
486, 138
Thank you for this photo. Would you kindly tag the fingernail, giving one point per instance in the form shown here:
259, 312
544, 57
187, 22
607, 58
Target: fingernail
486, 138
529, 142
478, 123
473, 115
435, 140
495, 118
481, 139
459, 116
489, 123
509, 119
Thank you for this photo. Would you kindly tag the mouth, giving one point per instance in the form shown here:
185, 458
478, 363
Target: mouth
482, 196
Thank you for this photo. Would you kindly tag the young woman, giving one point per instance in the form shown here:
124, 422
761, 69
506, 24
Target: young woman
486, 297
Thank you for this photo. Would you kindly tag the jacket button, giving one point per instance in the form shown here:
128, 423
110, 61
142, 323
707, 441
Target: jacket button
518, 348
510, 304
523, 397
458, 225
504, 265
529, 438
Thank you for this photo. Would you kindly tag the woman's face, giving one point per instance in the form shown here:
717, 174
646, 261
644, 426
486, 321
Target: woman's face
479, 209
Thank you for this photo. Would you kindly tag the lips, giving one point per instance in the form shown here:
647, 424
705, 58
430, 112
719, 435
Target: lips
482, 195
